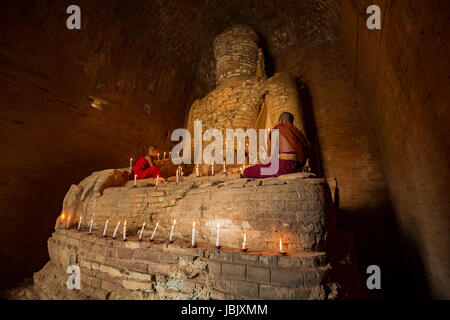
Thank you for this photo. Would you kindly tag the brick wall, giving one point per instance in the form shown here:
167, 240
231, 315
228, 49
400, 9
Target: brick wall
114, 269
401, 71
51, 135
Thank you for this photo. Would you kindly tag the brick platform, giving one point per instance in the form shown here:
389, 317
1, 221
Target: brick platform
293, 208
115, 269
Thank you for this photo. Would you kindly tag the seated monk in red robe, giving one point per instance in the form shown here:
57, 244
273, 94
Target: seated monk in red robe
294, 148
145, 166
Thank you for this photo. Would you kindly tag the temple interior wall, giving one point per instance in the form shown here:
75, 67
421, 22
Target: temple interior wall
374, 105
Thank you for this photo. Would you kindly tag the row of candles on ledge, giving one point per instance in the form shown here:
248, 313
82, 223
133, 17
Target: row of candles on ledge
179, 173
164, 157
244, 247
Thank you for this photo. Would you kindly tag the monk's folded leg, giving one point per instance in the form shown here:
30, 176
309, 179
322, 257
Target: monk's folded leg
255, 171
151, 172
284, 167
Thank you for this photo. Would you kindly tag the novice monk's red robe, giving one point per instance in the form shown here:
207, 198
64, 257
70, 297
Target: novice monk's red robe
296, 139
143, 170
301, 146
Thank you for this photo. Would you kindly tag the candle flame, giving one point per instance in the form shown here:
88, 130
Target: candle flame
62, 216
193, 224
281, 247
143, 224
174, 221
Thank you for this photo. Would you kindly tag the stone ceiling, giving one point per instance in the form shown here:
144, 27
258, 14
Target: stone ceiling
165, 47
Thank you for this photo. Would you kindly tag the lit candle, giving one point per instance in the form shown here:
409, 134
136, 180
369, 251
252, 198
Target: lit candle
135, 179
106, 227
158, 156
164, 155
212, 169
171, 231
196, 171
131, 164
68, 222
177, 175
243, 242
217, 236
79, 224
90, 226
154, 230
142, 230
62, 217
124, 232
281, 249
224, 170
115, 230
157, 179
181, 171
193, 234
170, 154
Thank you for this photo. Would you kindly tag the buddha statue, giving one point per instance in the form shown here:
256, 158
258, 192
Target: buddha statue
244, 96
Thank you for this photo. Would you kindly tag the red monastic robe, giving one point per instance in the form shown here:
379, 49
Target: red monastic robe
143, 170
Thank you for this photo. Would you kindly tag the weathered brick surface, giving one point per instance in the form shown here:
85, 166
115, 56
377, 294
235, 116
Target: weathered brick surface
159, 270
310, 215
258, 274
233, 271
244, 289
287, 277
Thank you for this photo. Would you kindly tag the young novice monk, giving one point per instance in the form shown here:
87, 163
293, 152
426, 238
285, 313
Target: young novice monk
145, 166
294, 149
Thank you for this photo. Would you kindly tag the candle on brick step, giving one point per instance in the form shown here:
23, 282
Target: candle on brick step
90, 226
158, 156
115, 230
62, 217
105, 228
142, 231
217, 236
164, 155
131, 164
212, 169
171, 231
243, 242
281, 249
135, 179
157, 179
124, 232
68, 222
196, 171
224, 164
193, 234
181, 171
79, 223
177, 174
154, 230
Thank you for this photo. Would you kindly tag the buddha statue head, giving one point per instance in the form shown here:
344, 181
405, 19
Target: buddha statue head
236, 51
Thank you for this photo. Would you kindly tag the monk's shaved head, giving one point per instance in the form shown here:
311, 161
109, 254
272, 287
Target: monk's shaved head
286, 117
